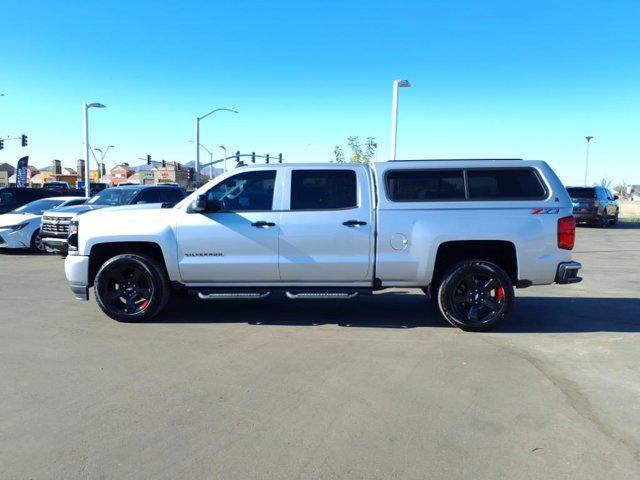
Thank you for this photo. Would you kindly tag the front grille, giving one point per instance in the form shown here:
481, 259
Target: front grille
55, 224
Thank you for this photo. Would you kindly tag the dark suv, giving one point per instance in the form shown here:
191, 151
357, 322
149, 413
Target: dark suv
55, 223
594, 206
13, 197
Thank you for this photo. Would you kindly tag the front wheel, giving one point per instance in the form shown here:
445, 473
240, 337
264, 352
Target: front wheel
36, 243
475, 295
131, 288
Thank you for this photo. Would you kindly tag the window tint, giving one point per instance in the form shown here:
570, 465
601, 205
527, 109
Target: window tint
323, 189
151, 195
498, 184
171, 195
421, 185
581, 192
7, 198
244, 192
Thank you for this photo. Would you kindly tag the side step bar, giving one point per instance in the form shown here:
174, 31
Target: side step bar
233, 295
321, 295
292, 293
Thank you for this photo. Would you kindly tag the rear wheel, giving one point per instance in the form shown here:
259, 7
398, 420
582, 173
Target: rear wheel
475, 295
131, 288
603, 221
36, 243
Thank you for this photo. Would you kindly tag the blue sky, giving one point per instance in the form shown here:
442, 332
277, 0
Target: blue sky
490, 79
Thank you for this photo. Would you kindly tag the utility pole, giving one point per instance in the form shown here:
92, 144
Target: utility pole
586, 162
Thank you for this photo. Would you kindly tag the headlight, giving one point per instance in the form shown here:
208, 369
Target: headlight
18, 226
72, 239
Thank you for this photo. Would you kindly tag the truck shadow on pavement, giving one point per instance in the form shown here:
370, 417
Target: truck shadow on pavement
401, 309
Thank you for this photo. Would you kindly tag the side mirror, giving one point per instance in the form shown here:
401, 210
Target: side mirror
199, 204
616, 197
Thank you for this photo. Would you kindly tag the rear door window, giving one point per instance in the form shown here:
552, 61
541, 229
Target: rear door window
425, 185
504, 184
323, 189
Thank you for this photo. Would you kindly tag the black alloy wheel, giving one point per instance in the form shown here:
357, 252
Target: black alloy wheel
475, 295
131, 288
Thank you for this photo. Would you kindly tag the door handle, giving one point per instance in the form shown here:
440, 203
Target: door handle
354, 223
263, 224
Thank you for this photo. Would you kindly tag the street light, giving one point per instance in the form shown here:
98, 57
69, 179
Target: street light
230, 109
586, 162
210, 159
225, 156
102, 155
87, 172
394, 113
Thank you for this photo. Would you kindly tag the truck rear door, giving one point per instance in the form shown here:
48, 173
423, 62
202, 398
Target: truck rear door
326, 226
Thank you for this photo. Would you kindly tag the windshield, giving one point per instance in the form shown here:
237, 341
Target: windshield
38, 207
581, 192
114, 197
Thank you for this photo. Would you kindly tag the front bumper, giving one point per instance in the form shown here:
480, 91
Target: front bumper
56, 245
568, 273
13, 239
76, 269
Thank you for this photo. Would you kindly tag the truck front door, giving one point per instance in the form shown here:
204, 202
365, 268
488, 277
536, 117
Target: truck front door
326, 226
236, 239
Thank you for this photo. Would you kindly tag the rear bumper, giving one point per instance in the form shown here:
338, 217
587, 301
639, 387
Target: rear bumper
585, 216
568, 273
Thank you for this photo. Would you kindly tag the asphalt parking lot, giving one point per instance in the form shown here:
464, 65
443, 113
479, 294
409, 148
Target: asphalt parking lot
377, 388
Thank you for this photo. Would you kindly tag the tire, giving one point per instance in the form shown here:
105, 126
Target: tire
468, 300
603, 221
131, 288
615, 219
36, 243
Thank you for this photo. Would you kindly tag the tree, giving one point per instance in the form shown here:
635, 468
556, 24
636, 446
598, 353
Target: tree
605, 182
358, 155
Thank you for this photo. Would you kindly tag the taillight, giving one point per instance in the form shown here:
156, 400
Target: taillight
566, 232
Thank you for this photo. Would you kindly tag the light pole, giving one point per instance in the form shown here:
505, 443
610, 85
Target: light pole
102, 155
394, 113
210, 159
586, 162
225, 156
230, 109
87, 171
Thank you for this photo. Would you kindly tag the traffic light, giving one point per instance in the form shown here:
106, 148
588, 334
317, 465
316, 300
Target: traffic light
178, 166
148, 159
192, 174
103, 171
267, 158
279, 158
238, 156
1, 144
253, 157
24, 139
164, 164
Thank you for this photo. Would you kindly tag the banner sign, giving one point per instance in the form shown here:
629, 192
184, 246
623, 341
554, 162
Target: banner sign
21, 172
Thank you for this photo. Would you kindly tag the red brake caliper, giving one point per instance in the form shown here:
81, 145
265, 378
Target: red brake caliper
500, 292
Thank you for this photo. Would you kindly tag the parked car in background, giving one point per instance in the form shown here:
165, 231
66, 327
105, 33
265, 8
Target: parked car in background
14, 197
20, 228
55, 223
466, 231
594, 206
53, 185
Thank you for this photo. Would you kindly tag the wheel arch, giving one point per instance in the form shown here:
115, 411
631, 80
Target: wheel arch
500, 252
101, 252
